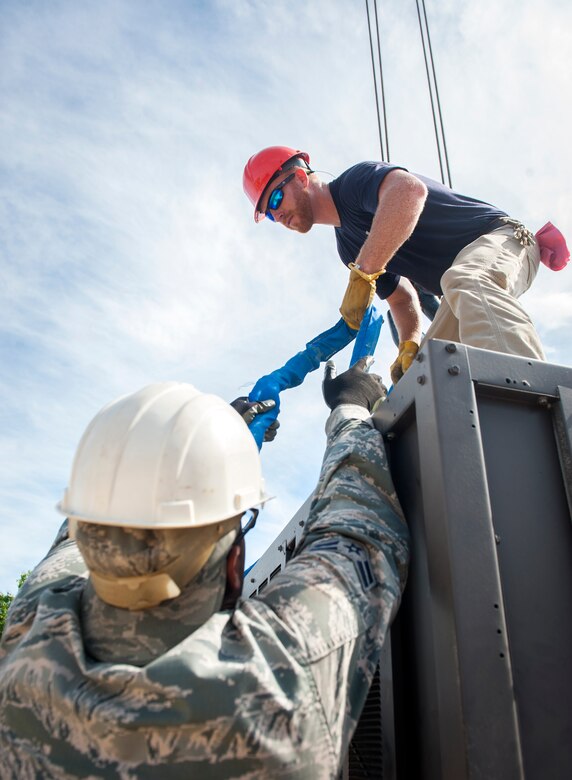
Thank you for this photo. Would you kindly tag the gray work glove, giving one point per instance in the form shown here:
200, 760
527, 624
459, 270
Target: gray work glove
354, 386
248, 410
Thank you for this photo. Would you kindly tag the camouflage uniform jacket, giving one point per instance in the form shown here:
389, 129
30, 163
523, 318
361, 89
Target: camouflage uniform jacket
272, 689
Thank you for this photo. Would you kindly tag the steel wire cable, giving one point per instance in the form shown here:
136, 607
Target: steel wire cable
440, 139
375, 79
381, 82
434, 97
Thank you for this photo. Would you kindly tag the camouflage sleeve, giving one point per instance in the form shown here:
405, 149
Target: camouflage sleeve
340, 591
61, 565
355, 495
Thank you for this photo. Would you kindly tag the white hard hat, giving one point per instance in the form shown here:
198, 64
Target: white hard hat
167, 456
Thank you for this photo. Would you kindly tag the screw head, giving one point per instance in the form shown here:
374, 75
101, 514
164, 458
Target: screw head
454, 370
421, 379
451, 347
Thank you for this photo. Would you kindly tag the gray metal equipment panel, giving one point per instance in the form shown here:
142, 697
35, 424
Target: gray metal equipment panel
479, 446
278, 553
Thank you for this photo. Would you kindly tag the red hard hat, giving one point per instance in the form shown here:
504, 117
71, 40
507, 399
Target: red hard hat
261, 168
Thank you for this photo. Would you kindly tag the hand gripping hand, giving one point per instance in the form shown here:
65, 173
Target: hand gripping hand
354, 386
248, 410
358, 296
405, 357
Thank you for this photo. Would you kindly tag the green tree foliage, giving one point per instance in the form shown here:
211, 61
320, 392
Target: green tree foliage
6, 599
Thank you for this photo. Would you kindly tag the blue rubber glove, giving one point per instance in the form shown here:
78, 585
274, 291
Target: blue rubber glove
368, 334
317, 351
294, 371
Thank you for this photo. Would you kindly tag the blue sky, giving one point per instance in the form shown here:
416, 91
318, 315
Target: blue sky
128, 253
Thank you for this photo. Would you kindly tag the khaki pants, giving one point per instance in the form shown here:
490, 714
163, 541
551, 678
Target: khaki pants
480, 291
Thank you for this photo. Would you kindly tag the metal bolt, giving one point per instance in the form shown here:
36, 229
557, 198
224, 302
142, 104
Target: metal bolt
301, 523
497, 538
253, 579
419, 357
390, 436
454, 370
280, 548
451, 347
421, 379
543, 401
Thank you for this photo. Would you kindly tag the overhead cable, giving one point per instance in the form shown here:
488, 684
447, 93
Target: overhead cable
433, 90
381, 145
382, 90
436, 112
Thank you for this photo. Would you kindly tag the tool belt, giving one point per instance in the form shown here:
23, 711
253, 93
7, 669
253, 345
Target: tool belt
522, 234
551, 243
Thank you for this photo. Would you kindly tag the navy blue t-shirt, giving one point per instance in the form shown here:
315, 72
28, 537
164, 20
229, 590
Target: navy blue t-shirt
448, 223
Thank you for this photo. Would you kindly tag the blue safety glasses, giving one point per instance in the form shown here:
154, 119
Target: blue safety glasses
276, 197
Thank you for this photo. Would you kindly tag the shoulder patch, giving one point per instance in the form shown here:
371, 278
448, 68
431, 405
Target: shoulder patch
357, 554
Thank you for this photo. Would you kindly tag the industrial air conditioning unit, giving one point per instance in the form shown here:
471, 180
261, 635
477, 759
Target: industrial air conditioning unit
475, 682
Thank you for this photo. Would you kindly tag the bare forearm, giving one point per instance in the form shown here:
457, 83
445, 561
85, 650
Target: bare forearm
406, 312
401, 201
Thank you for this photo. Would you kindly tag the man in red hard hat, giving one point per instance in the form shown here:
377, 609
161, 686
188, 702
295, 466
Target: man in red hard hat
394, 228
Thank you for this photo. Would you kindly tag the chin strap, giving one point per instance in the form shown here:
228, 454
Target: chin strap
135, 593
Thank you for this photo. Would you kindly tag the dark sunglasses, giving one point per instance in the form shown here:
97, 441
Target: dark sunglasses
249, 525
277, 196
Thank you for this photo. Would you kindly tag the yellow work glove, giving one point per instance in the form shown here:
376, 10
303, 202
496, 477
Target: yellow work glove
358, 296
406, 356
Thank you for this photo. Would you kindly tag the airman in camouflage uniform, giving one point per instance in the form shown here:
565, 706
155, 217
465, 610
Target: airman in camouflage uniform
270, 689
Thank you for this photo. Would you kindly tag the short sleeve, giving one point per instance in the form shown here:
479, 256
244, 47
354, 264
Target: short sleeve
387, 284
